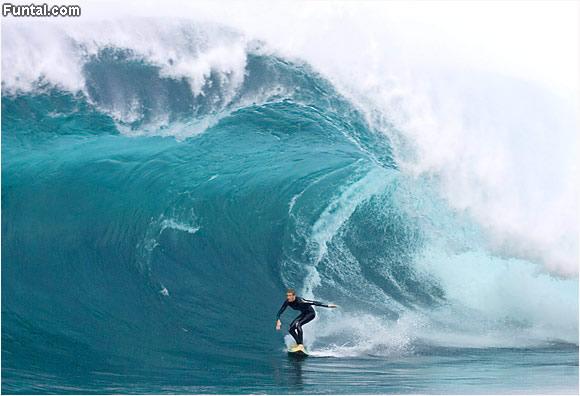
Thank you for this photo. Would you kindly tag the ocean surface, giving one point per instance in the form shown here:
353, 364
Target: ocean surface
152, 220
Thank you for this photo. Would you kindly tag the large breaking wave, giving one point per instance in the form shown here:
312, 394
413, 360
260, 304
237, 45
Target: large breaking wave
166, 181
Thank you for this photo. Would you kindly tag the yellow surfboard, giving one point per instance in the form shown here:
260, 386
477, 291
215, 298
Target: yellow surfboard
298, 350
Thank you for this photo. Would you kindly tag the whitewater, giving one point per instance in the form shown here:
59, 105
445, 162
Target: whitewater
166, 175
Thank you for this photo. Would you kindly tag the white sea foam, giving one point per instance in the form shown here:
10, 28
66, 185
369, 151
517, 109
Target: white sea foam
175, 225
34, 54
178, 220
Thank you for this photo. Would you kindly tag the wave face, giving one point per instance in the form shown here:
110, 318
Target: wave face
152, 219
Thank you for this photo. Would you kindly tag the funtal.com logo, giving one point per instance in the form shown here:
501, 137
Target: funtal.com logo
40, 10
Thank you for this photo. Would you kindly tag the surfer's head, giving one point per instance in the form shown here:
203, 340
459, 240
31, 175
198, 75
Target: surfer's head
290, 295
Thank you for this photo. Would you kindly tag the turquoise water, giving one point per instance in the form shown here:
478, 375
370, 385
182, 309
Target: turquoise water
146, 248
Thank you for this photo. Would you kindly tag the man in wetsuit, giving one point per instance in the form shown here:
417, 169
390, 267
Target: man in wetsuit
306, 314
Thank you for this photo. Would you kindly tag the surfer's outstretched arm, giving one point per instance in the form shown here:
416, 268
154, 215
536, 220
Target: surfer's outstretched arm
318, 303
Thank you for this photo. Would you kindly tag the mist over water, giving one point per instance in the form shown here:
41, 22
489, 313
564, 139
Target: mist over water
164, 178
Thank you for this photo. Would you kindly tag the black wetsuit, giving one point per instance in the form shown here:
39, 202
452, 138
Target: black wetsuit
306, 315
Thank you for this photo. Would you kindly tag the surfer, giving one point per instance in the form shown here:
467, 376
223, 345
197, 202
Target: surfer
307, 313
